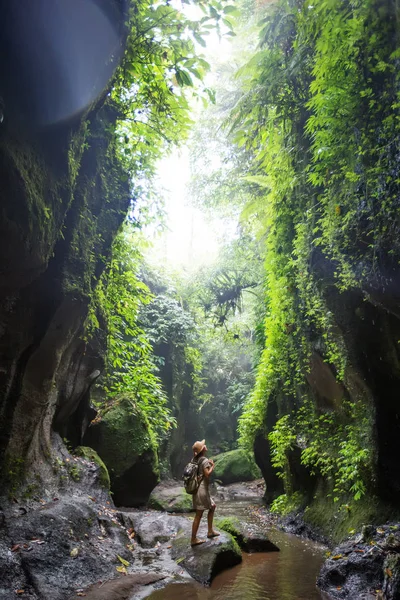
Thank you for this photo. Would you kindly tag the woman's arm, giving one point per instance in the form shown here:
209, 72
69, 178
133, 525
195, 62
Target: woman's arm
209, 469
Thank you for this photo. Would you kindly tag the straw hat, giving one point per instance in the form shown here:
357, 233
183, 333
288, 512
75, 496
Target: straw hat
198, 447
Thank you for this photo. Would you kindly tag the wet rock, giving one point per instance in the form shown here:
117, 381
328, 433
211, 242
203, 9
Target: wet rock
392, 542
64, 545
256, 542
248, 491
120, 588
294, 523
205, 561
360, 566
171, 497
236, 465
248, 538
262, 455
352, 572
152, 527
46, 279
391, 583
367, 533
92, 457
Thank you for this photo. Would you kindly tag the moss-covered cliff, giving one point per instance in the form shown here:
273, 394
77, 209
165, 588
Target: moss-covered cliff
59, 215
318, 118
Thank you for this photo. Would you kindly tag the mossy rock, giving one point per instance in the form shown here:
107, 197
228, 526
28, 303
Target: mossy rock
335, 520
170, 498
236, 465
92, 456
248, 540
205, 561
124, 441
230, 525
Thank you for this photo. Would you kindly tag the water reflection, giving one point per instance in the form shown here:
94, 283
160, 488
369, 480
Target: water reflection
290, 574
286, 575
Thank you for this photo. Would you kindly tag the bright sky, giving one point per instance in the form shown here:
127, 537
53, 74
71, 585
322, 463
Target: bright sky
191, 239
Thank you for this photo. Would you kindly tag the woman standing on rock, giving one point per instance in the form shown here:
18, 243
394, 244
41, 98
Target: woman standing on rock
201, 499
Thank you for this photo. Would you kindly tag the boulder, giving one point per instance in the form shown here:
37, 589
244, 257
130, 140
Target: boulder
236, 465
248, 538
152, 527
123, 440
365, 563
170, 496
354, 569
205, 561
245, 491
66, 544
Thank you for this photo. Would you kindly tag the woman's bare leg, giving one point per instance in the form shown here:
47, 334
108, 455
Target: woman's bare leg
195, 527
210, 517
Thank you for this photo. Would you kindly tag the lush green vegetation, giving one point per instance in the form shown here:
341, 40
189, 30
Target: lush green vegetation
300, 155
130, 366
318, 118
161, 72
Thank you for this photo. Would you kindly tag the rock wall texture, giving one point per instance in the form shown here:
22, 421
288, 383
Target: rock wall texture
366, 326
63, 198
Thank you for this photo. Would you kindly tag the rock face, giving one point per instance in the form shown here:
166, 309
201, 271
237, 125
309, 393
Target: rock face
262, 455
59, 216
56, 548
205, 561
368, 325
171, 497
123, 441
236, 465
364, 564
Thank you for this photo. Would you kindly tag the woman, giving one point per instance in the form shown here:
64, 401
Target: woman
201, 499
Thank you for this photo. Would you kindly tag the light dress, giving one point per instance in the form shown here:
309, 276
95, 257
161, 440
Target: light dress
202, 499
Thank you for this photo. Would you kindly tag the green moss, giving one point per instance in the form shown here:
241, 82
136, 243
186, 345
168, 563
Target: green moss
12, 474
31, 491
229, 524
236, 465
75, 472
231, 545
285, 504
338, 521
92, 456
233, 526
180, 503
184, 503
127, 434
181, 546
78, 144
35, 179
122, 435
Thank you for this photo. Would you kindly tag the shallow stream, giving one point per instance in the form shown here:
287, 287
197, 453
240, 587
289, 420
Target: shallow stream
286, 575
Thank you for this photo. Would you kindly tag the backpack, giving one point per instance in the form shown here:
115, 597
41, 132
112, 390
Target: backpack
191, 478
